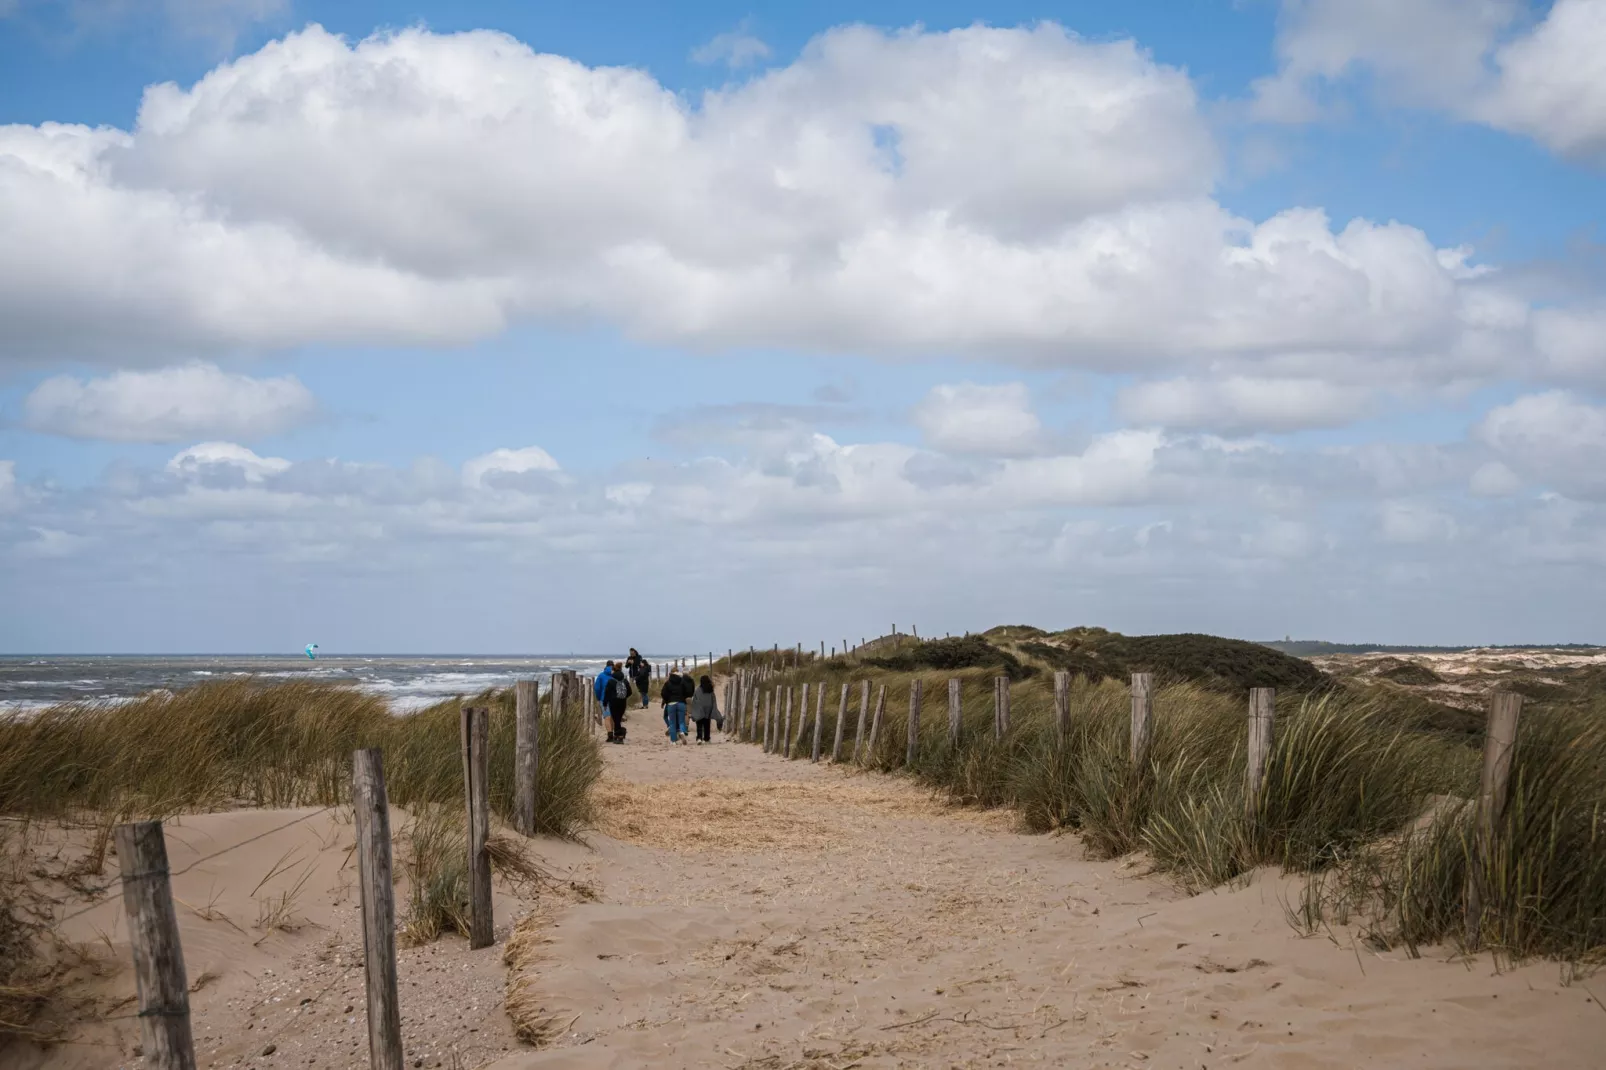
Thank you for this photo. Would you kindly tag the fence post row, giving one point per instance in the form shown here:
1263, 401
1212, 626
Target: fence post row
1262, 712
372, 810
1494, 787
164, 994
476, 776
1142, 708
953, 712
916, 694
526, 752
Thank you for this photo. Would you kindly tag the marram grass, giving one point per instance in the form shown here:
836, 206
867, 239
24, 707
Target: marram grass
1355, 793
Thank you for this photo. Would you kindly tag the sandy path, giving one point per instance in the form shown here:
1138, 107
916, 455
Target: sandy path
763, 914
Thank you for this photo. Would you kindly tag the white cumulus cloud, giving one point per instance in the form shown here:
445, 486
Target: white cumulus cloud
1497, 62
1016, 194
974, 418
1555, 439
168, 405
204, 457
1240, 404
507, 461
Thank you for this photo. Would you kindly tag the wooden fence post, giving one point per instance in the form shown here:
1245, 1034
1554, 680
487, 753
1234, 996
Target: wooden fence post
1142, 707
753, 714
819, 719
1062, 703
841, 721
1494, 787
864, 711
875, 721
526, 753
954, 714
377, 888
476, 784
1262, 712
1000, 706
164, 994
916, 695
802, 725
786, 728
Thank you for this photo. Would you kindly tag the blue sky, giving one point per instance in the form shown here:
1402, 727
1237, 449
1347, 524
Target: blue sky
754, 323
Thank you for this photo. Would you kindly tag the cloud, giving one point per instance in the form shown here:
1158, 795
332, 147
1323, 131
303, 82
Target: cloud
507, 461
1553, 439
211, 458
1416, 522
168, 405
973, 418
1009, 195
734, 48
1487, 61
1239, 405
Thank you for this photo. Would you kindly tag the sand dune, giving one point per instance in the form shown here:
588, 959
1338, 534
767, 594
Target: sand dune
760, 914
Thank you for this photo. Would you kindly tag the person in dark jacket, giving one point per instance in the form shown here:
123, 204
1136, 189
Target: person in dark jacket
704, 708
615, 693
640, 674
674, 695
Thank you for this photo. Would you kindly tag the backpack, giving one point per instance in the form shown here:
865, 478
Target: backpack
618, 689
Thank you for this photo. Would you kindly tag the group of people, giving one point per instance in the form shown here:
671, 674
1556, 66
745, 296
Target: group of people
682, 697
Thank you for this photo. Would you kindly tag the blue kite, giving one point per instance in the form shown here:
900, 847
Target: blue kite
312, 651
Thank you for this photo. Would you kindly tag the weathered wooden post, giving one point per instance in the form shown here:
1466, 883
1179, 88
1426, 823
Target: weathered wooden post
377, 889
841, 720
953, 712
752, 713
875, 721
819, 720
526, 753
476, 783
164, 994
1000, 706
1142, 707
864, 711
802, 724
1062, 703
1494, 788
916, 694
1262, 712
786, 728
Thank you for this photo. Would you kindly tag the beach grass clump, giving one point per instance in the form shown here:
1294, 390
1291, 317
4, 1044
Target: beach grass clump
245, 743
1541, 883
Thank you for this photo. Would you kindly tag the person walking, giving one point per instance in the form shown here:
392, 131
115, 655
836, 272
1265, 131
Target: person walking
674, 693
704, 708
641, 675
615, 694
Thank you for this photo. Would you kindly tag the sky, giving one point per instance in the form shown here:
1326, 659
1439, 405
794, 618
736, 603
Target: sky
511, 328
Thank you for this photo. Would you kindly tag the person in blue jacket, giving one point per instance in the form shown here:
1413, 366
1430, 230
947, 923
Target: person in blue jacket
600, 684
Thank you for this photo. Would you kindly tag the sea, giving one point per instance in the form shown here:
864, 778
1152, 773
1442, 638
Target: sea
407, 682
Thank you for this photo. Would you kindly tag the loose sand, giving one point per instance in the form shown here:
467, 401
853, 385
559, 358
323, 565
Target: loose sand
759, 914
